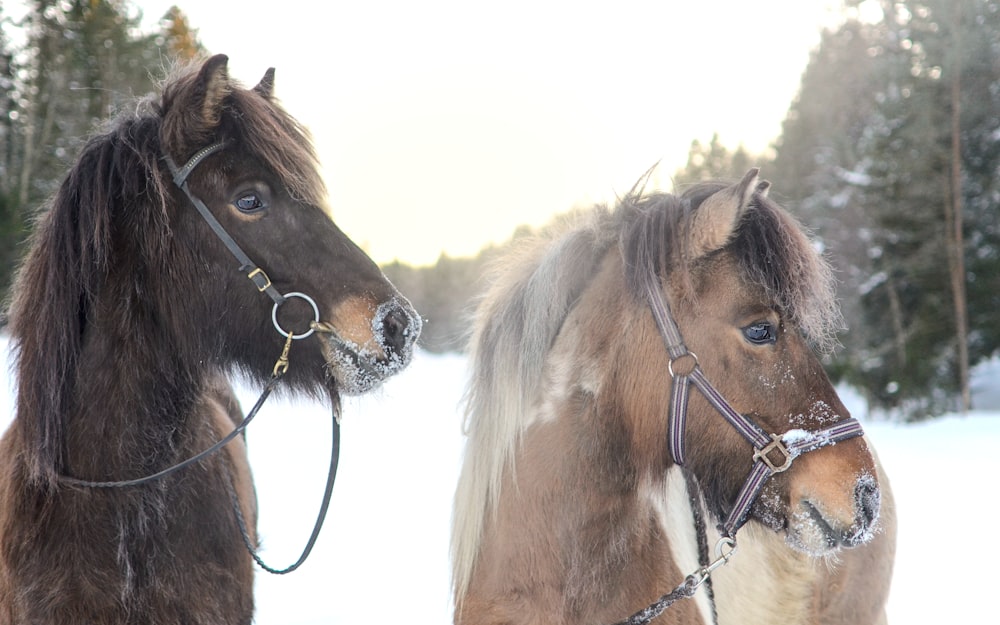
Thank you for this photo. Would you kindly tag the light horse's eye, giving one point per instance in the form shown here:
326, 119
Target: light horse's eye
249, 202
760, 333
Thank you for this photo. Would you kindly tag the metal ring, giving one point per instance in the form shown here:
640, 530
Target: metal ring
670, 363
274, 315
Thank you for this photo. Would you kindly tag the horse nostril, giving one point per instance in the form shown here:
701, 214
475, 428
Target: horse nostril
868, 500
396, 331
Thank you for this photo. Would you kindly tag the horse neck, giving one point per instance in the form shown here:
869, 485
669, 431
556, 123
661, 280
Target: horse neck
132, 400
581, 507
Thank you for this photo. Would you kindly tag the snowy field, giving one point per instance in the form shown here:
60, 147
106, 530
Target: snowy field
383, 554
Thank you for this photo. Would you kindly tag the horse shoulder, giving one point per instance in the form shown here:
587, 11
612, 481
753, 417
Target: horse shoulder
220, 404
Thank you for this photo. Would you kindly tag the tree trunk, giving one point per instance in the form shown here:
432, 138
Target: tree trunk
954, 222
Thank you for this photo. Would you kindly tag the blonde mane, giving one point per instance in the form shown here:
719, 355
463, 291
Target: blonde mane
532, 291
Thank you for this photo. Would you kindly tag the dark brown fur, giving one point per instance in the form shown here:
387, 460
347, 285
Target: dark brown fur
128, 312
565, 510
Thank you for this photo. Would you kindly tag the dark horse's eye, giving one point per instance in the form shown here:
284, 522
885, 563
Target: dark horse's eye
760, 333
249, 203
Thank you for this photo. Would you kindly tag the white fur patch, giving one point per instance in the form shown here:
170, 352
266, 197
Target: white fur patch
563, 375
673, 509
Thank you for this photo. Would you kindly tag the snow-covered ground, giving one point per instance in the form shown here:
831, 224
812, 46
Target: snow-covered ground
383, 554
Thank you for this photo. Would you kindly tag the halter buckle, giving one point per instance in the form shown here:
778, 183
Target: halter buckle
776, 444
260, 279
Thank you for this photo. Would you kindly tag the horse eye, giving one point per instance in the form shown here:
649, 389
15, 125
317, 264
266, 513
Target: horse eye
249, 203
760, 333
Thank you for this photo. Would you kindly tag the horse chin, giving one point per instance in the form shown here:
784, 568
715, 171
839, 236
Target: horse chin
813, 532
355, 369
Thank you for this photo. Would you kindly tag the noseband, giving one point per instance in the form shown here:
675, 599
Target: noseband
765, 446
685, 370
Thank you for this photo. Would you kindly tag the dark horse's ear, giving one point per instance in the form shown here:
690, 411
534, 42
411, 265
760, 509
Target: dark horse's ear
714, 222
266, 85
192, 109
213, 87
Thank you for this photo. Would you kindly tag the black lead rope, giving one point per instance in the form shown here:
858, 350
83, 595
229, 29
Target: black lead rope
320, 518
691, 583
72, 481
647, 614
701, 531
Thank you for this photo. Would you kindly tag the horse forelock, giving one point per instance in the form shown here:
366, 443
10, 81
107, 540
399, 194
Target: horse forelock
256, 125
282, 144
771, 249
776, 253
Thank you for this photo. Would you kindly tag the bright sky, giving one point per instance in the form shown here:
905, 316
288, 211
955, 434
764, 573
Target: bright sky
444, 124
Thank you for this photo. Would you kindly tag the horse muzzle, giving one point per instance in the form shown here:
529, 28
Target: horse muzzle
365, 344
819, 526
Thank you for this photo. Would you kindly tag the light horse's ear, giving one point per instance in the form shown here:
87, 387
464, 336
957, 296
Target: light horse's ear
214, 86
714, 222
266, 85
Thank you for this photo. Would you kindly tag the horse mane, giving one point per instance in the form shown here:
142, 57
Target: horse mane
120, 188
534, 289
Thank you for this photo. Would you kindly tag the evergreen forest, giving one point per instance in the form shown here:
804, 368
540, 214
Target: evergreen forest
890, 152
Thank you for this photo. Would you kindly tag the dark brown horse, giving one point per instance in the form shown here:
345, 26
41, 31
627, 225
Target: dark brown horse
130, 309
572, 507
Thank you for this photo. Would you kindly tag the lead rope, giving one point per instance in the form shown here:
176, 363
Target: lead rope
280, 367
701, 531
331, 477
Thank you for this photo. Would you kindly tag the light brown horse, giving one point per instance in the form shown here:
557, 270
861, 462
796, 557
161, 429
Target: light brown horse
187, 241
571, 509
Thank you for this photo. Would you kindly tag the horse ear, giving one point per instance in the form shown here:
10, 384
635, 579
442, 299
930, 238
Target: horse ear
214, 86
266, 85
715, 221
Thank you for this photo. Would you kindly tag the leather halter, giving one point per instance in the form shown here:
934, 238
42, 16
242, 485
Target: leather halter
789, 445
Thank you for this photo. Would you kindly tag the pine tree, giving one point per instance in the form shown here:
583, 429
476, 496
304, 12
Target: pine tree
179, 39
714, 162
876, 159
82, 62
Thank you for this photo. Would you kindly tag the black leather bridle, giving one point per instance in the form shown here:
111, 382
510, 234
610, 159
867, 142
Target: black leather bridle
263, 283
